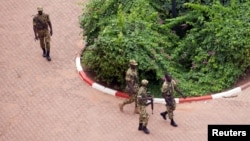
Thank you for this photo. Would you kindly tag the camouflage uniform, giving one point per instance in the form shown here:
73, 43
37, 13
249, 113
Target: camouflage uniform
132, 78
168, 90
131, 75
142, 104
41, 22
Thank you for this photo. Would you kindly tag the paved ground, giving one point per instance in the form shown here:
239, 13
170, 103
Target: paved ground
47, 101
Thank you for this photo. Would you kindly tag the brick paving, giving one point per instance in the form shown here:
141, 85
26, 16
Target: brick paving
48, 101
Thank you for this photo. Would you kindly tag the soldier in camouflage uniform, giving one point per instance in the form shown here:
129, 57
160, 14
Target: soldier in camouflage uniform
132, 86
41, 22
142, 104
167, 90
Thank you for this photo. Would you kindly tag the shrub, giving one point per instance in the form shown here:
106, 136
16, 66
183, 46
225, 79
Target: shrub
201, 47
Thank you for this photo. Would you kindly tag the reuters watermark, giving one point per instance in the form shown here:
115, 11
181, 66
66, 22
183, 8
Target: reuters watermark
239, 132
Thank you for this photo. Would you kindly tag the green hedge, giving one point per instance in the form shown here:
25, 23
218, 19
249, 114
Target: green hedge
206, 48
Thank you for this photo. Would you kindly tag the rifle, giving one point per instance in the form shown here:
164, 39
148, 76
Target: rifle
151, 98
168, 100
40, 24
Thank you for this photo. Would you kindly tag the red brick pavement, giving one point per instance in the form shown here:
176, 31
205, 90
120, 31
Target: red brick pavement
47, 101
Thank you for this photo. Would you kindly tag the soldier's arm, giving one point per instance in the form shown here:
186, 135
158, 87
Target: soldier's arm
35, 32
129, 81
130, 85
142, 95
179, 91
50, 25
164, 91
34, 28
136, 79
146, 97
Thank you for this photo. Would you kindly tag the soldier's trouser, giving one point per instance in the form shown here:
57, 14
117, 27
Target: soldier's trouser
132, 98
144, 116
44, 38
170, 109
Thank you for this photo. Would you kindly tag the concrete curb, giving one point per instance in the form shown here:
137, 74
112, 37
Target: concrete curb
156, 100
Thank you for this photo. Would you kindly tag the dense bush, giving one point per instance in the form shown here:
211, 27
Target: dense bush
206, 47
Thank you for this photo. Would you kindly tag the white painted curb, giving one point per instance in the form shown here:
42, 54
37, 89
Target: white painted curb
156, 100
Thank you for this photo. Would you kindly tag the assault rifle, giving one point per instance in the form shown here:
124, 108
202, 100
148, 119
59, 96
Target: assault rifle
150, 97
40, 24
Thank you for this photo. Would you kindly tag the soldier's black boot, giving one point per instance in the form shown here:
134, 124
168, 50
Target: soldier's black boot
44, 52
145, 130
140, 126
164, 114
173, 123
48, 57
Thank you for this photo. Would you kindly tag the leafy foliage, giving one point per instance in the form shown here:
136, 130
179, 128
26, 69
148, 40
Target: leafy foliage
206, 47
218, 44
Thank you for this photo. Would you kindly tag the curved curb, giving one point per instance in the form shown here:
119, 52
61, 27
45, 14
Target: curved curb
96, 85
156, 100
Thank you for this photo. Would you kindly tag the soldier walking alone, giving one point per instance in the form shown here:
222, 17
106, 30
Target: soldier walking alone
132, 86
41, 22
167, 90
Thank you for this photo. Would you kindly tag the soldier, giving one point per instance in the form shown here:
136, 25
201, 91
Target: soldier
132, 86
167, 90
41, 22
142, 104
